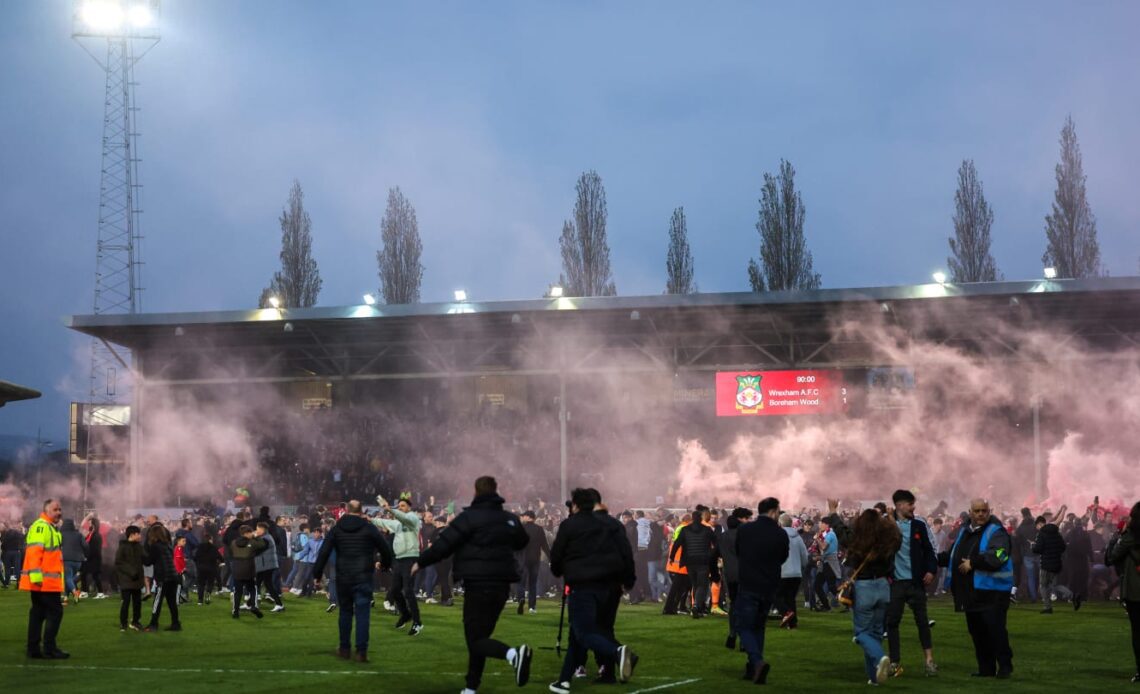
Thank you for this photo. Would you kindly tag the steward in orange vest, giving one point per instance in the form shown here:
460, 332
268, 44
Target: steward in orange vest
42, 577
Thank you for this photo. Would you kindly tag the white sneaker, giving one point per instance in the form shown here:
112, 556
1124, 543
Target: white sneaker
430, 601
278, 608
560, 687
101, 596
295, 591
533, 611
83, 596
884, 669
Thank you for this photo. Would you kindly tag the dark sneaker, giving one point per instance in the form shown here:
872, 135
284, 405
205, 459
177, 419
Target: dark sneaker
360, 657
559, 687
152, 628
236, 615
522, 664
177, 626
56, 654
522, 607
1076, 603
787, 619
37, 654
343, 653
330, 608
896, 670
257, 613
416, 629
760, 673
730, 643
402, 622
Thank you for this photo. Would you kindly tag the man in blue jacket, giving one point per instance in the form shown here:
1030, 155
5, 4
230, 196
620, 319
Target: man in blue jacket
916, 565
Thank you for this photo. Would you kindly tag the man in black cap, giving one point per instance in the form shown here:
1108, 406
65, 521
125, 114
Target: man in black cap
484, 539
592, 553
761, 549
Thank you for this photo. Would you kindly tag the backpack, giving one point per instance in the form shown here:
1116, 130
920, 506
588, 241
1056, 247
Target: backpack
295, 545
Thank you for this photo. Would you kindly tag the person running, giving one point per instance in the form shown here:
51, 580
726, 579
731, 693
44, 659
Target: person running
405, 529
874, 540
484, 539
591, 552
916, 564
356, 542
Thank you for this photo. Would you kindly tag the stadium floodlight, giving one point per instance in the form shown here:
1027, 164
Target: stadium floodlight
1050, 273
369, 299
116, 18
554, 292
274, 302
461, 295
940, 277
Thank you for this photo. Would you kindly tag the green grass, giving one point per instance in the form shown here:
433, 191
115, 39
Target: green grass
293, 651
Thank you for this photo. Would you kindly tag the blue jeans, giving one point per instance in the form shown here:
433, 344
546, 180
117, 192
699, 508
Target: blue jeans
872, 597
1032, 566
658, 581
357, 603
70, 571
750, 614
584, 606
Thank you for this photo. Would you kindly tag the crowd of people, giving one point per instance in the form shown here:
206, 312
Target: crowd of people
753, 565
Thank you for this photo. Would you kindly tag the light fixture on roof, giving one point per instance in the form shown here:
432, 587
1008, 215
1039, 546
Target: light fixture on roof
554, 292
274, 302
635, 315
939, 277
461, 295
369, 299
114, 18
1050, 273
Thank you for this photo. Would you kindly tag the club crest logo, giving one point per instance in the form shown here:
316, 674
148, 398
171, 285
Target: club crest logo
749, 396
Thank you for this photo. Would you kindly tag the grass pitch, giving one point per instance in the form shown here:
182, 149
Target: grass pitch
294, 651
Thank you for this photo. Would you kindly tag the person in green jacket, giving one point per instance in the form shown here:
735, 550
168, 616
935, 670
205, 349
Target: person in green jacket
405, 528
1125, 555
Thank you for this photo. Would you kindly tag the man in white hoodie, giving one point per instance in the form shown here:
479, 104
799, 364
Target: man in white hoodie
405, 529
791, 574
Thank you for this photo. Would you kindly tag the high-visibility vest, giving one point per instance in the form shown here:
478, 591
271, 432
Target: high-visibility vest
43, 558
674, 566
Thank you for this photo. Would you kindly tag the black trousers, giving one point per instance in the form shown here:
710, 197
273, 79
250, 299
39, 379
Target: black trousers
404, 589
44, 618
786, 597
641, 588
131, 597
1133, 608
991, 638
733, 588
265, 579
167, 590
207, 582
824, 579
529, 583
243, 588
699, 576
905, 593
443, 575
678, 589
92, 578
482, 605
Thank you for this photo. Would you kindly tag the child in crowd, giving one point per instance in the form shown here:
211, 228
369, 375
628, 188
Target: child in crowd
129, 574
180, 567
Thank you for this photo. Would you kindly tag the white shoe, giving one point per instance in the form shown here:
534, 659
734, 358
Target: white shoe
278, 608
83, 596
430, 601
884, 669
533, 611
101, 596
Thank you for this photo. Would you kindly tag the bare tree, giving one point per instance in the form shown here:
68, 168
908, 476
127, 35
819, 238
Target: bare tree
1070, 231
679, 260
971, 260
585, 250
784, 255
298, 282
399, 258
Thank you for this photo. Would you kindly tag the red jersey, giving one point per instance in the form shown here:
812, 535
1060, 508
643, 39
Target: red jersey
180, 558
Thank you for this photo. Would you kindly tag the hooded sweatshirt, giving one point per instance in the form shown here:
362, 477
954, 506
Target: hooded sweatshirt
644, 532
793, 566
405, 531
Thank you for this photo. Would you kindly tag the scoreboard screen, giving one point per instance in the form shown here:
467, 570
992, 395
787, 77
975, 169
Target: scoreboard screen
765, 393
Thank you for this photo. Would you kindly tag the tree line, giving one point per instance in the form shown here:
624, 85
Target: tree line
785, 262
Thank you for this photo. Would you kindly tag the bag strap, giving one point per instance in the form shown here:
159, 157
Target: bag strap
855, 573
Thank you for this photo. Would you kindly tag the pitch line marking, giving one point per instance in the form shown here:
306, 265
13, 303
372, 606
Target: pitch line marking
669, 685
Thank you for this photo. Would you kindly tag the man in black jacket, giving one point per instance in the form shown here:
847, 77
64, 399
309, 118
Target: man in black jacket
761, 550
591, 552
356, 542
484, 539
697, 546
980, 571
532, 556
916, 565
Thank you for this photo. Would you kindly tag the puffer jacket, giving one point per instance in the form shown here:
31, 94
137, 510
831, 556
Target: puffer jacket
161, 556
129, 565
355, 543
697, 544
1051, 546
591, 549
484, 539
267, 560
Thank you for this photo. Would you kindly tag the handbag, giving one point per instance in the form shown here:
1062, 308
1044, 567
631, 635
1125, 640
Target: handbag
846, 592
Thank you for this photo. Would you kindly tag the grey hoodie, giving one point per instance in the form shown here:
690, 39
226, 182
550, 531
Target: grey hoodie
793, 566
644, 532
